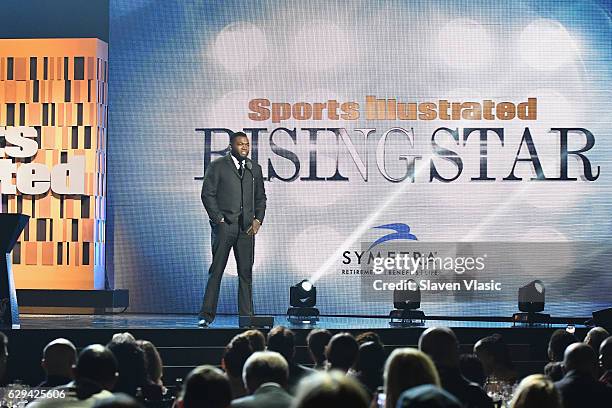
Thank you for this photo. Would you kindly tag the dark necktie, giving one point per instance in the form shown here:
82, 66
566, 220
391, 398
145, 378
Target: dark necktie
241, 169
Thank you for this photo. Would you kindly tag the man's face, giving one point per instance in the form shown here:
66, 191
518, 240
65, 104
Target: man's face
240, 146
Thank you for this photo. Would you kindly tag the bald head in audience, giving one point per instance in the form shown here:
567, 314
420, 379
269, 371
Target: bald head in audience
580, 357
605, 354
58, 358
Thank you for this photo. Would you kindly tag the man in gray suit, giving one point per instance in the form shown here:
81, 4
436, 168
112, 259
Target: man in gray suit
265, 376
234, 197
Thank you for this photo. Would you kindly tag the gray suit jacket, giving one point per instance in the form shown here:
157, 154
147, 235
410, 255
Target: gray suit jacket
221, 192
266, 396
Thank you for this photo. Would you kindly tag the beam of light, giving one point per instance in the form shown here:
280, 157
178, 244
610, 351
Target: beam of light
365, 225
475, 233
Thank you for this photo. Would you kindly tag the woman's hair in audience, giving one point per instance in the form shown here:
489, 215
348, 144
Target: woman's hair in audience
153, 361
332, 389
536, 391
407, 368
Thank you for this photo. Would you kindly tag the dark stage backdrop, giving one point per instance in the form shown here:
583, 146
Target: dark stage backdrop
362, 114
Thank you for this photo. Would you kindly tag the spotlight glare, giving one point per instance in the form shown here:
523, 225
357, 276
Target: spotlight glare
306, 285
302, 301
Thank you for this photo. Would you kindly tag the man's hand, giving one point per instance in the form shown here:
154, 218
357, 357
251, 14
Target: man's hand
254, 229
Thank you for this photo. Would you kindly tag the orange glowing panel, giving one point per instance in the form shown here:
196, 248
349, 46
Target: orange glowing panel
10, 88
47, 253
87, 228
20, 69
30, 253
49, 108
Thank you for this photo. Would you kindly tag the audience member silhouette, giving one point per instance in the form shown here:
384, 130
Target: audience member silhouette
605, 361
494, 354
282, 340
407, 368
536, 391
132, 367
265, 375
256, 339
332, 389
369, 366
594, 338
427, 396
342, 352
205, 387
153, 389
472, 369
579, 387
3, 357
368, 336
440, 343
95, 376
316, 341
559, 341
236, 353
118, 401
59, 356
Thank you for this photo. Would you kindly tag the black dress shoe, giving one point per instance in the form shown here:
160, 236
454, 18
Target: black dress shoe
203, 323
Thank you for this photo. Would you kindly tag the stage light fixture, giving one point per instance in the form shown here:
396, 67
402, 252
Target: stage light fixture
406, 302
531, 301
302, 299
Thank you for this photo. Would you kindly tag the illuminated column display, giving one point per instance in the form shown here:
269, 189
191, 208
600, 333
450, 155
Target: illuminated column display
53, 122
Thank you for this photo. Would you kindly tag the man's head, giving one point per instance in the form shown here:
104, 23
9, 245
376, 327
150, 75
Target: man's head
282, 340
240, 145
559, 341
263, 367
367, 337
131, 366
493, 352
580, 357
605, 354
235, 355
58, 358
3, 355
97, 364
317, 340
206, 387
125, 337
256, 339
330, 389
371, 358
595, 336
342, 351
440, 343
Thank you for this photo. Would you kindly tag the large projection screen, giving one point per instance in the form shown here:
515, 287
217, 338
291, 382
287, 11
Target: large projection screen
364, 114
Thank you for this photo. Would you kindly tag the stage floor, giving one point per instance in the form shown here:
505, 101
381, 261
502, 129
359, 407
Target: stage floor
166, 321
183, 345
